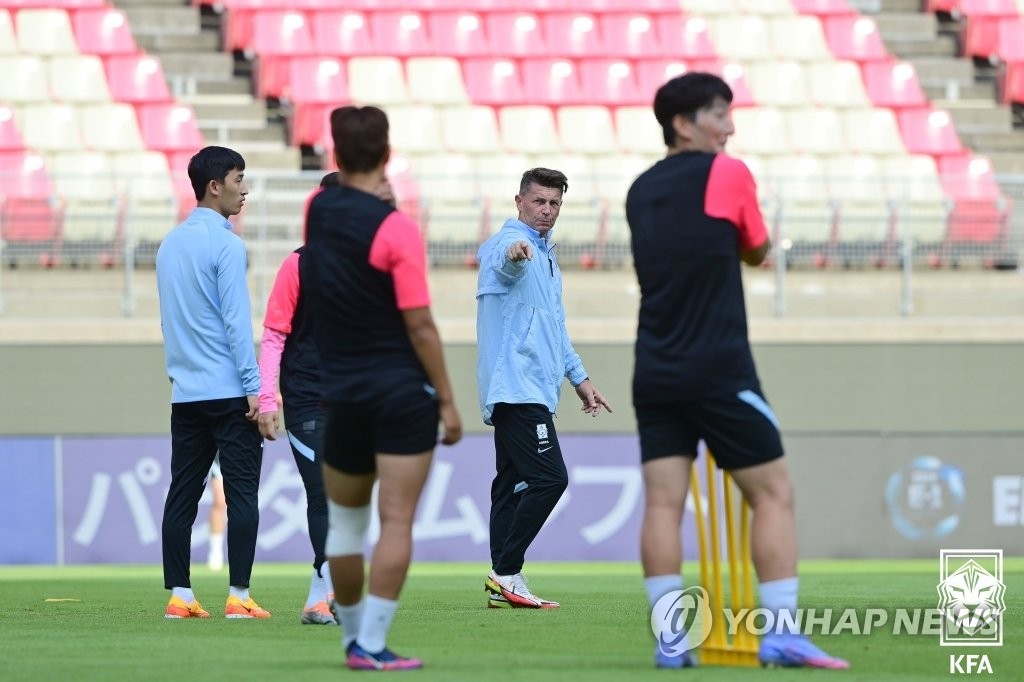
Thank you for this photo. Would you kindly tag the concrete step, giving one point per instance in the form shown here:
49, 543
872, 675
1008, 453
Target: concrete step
172, 20
1007, 162
907, 25
198, 66
273, 132
939, 71
954, 90
882, 7
977, 116
235, 86
259, 156
204, 41
934, 46
995, 142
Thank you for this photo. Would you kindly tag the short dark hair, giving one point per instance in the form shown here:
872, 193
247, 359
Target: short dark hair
360, 137
332, 179
686, 95
212, 163
545, 177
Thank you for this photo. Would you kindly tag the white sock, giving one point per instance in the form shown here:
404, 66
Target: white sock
317, 590
377, 616
659, 585
183, 593
325, 575
240, 592
351, 620
216, 542
779, 597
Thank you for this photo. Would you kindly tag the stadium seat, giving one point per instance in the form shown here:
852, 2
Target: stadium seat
415, 130
1013, 83
10, 137
760, 131
807, 217
586, 130
703, 8
968, 177
872, 131
651, 74
110, 128
765, 7
8, 39
50, 127
929, 131
435, 80
977, 216
988, 8
25, 80
451, 212
578, 231
823, 8
893, 85
317, 85
144, 181
494, 81
528, 129
377, 80
857, 187
169, 127
103, 31
610, 82
85, 182
517, 34
342, 33
45, 32
1010, 45
816, 131
78, 79
684, 37
735, 75
401, 34
778, 83
912, 182
855, 38
459, 34
551, 81
799, 37
742, 37
470, 130
137, 78
637, 131
836, 83
278, 36
631, 35
574, 34
29, 212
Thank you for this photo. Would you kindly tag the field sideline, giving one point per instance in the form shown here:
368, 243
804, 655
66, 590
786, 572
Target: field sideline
114, 630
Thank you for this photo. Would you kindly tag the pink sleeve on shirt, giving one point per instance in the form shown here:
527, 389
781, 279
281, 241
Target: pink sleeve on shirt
732, 196
398, 249
271, 347
284, 297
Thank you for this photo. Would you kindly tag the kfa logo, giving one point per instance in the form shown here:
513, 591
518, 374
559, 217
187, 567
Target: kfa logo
969, 663
971, 600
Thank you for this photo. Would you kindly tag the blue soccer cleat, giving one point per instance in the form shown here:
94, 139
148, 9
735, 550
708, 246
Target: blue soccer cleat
796, 651
683, 660
386, 659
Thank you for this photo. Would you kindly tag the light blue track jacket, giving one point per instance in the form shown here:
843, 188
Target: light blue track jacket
204, 310
523, 349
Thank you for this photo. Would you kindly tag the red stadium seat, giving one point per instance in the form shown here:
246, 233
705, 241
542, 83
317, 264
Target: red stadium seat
945, 6
979, 208
685, 37
893, 84
10, 137
929, 131
459, 34
988, 8
103, 31
29, 217
517, 34
493, 81
651, 74
981, 37
733, 74
552, 81
169, 127
277, 37
855, 38
1010, 40
340, 33
317, 85
401, 34
1013, 83
574, 34
136, 78
823, 8
965, 176
630, 35
610, 82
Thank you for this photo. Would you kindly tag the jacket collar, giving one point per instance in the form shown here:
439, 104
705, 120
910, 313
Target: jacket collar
529, 231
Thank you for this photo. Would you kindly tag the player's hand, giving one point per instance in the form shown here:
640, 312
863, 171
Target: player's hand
254, 407
452, 424
520, 251
592, 399
269, 423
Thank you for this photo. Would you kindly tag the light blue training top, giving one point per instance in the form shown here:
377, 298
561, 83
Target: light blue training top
204, 310
523, 347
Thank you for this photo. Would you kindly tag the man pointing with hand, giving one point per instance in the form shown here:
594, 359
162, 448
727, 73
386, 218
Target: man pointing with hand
524, 354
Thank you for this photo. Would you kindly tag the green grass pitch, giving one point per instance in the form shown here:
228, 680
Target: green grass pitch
115, 630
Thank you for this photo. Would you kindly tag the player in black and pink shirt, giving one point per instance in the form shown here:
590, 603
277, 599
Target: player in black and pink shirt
694, 217
383, 378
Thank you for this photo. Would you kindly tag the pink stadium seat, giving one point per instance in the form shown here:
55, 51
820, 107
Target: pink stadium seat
929, 131
651, 74
823, 8
733, 74
136, 78
10, 138
340, 33
946, 6
317, 85
277, 37
893, 84
518, 34
169, 127
1010, 40
978, 214
104, 31
401, 34
981, 37
855, 38
988, 8
1013, 83
493, 81
551, 82
28, 215
177, 161
610, 82
965, 176
685, 37
574, 34
459, 34
630, 35
69, 5
608, 6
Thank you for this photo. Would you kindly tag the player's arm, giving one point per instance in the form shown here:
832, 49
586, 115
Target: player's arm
756, 255
235, 312
732, 195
